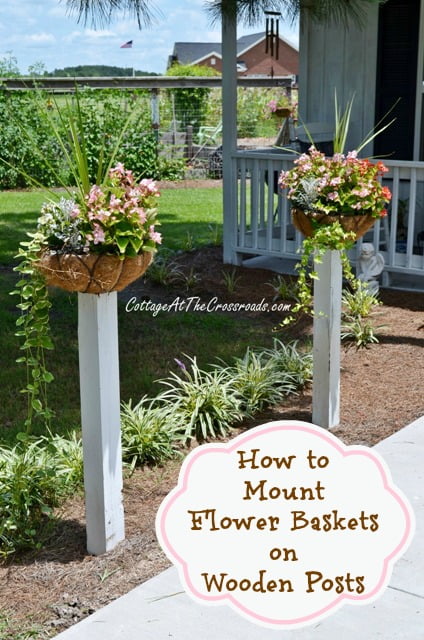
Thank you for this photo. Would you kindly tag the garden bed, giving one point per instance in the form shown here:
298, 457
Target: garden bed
47, 591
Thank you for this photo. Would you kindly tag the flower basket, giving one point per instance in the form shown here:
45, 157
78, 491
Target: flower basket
359, 224
92, 273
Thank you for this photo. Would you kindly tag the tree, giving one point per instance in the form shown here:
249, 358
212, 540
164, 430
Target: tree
247, 11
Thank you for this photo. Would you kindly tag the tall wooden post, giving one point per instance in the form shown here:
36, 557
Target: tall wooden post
100, 417
326, 349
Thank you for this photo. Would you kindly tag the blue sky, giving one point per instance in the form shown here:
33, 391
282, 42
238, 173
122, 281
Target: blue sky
42, 30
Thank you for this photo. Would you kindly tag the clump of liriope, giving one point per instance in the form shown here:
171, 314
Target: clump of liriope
68, 460
205, 404
294, 359
284, 289
260, 381
359, 306
149, 433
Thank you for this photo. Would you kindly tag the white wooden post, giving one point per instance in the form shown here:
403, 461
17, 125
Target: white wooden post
100, 417
326, 349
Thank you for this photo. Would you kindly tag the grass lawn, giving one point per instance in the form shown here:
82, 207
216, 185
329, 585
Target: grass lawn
148, 345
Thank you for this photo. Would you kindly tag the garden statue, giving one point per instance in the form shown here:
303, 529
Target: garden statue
371, 265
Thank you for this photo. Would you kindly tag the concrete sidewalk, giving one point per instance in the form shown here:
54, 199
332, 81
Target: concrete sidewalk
159, 610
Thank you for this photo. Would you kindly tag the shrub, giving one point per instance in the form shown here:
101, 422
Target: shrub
205, 403
148, 433
34, 474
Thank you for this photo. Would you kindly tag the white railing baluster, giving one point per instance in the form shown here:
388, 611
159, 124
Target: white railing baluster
270, 205
241, 236
411, 217
255, 200
394, 217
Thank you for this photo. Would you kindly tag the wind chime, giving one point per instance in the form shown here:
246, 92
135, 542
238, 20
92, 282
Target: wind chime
272, 33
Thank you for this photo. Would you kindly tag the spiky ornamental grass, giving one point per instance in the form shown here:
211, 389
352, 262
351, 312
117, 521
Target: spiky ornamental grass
204, 403
149, 433
294, 359
260, 381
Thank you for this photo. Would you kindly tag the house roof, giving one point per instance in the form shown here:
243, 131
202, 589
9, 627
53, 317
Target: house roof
191, 52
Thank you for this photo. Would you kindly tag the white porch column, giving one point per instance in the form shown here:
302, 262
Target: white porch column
229, 126
326, 349
100, 417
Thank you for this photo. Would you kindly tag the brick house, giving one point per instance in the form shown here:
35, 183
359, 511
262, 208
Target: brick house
252, 60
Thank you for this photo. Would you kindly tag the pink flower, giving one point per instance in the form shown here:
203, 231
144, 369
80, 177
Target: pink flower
75, 212
118, 170
154, 235
98, 234
149, 185
115, 202
142, 215
272, 105
95, 194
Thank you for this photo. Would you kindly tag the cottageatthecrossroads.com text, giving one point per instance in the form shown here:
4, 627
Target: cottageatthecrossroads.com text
195, 304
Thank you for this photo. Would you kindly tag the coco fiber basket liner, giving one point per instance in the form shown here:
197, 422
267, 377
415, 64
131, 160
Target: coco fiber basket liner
357, 223
92, 273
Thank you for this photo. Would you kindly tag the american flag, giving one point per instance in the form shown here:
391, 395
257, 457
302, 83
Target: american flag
127, 45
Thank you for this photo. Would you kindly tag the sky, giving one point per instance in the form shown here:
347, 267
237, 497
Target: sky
34, 31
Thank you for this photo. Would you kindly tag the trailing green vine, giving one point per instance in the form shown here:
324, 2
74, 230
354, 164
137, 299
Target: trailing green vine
330, 237
34, 330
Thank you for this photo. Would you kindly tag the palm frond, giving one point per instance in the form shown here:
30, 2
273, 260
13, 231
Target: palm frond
101, 12
250, 12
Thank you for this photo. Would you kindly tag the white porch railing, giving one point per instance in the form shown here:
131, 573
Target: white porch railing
262, 226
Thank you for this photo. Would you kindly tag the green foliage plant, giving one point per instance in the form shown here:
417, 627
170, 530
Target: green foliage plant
67, 454
189, 279
33, 477
361, 302
284, 289
163, 271
325, 238
205, 403
259, 381
358, 306
294, 359
149, 433
215, 234
358, 332
230, 279
34, 330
